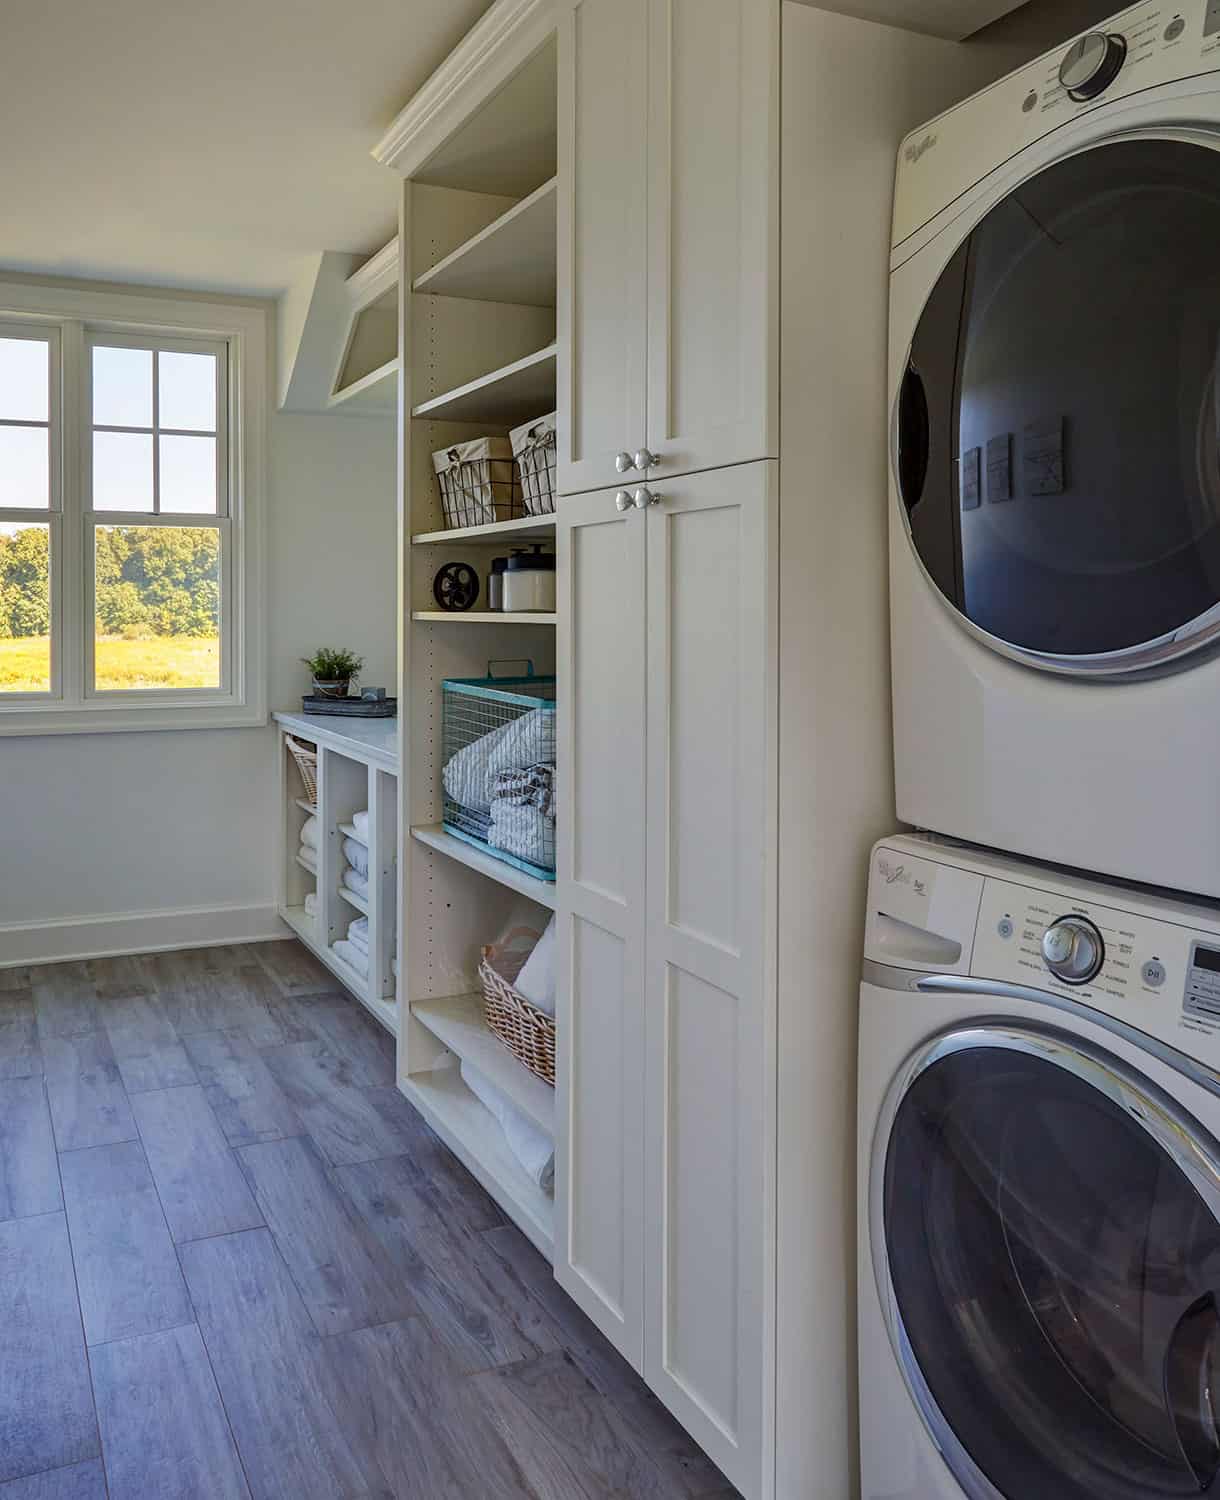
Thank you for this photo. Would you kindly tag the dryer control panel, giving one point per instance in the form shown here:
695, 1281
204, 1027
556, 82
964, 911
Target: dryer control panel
1140, 958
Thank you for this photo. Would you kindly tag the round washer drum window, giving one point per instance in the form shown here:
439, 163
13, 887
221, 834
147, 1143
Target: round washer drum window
1056, 1276
1059, 422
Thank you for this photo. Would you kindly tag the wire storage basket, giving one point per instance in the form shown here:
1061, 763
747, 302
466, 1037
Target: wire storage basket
478, 482
306, 757
527, 1032
534, 450
498, 751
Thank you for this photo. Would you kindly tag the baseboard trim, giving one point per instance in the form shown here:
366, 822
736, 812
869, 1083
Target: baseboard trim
138, 932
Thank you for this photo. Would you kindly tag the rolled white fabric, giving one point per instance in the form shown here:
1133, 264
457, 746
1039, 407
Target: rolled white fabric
360, 822
356, 958
354, 881
357, 855
532, 1147
311, 904
358, 933
309, 858
309, 833
536, 981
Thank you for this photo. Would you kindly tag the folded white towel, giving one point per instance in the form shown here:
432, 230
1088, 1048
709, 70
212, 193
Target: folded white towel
360, 822
354, 881
523, 830
311, 904
309, 858
470, 774
532, 1147
309, 833
357, 855
354, 957
536, 980
358, 933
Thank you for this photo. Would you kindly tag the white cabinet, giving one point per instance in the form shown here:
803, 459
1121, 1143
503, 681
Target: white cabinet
667, 671
668, 308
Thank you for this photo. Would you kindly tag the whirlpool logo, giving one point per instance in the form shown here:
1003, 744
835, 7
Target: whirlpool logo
899, 875
916, 150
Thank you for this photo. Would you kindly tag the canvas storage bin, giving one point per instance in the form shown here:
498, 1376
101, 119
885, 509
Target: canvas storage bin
478, 482
533, 445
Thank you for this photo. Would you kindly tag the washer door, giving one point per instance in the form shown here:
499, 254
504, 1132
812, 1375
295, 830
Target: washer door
1058, 453
1051, 1269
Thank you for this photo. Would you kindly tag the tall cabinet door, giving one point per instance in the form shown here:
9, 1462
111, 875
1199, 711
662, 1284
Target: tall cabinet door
599, 1177
710, 1043
713, 195
602, 312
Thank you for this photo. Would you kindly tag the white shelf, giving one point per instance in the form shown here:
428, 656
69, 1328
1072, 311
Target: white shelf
459, 1024
371, 393
482, 617
301, 922
306, 928
349, 831
435, 837
512, 260
309, 869
474, 1136
541, 528
307, 807
352, 899
508, 396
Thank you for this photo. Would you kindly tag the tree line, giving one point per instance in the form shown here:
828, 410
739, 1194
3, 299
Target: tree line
150, 581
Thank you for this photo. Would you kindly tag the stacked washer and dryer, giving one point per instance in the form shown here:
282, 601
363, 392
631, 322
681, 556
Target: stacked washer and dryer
1040, 1048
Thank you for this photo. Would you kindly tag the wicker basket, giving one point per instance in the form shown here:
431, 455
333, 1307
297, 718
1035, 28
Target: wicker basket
306, 757
527, 1032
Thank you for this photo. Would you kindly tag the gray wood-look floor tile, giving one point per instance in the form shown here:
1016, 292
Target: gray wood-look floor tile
246, 1100
355, 1036
14, 977
77, 1482
164, 1065
46, 1405
343, 1273
29, 1171
267, 1357
16, 1003
348, 1122
473, 1298
64, 999
267, 1016
117, 978
294, 968
202, 1188
89, 1104
208, 1002
402, 1401
20, 1055
146, 1046
126, 1269
164, 1431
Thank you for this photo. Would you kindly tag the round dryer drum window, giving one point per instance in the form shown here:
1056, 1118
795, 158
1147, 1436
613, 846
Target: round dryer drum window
1059, 421
1056, 1276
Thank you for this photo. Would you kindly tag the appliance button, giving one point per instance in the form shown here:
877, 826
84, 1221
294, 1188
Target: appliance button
1031, 102
1073, 950
1005, 928
1153, 973
1175, 29
1092, 64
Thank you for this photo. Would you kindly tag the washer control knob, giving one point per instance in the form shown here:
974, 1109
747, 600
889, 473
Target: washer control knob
1073, 950
1092, 64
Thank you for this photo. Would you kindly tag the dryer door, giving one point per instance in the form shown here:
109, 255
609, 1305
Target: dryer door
1058, 428
1047, 1249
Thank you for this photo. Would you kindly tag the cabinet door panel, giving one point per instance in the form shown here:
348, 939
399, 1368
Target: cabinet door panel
599, 1149
602, 248
709, 1139
712, 232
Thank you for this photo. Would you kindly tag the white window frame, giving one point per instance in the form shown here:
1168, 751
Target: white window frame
76, 316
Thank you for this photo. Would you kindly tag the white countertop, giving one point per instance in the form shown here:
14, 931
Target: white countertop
364, 739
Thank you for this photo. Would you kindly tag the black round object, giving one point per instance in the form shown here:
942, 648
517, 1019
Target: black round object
1092, 65
456, 586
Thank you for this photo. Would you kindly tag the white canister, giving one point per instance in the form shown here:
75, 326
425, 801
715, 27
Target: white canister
529, 581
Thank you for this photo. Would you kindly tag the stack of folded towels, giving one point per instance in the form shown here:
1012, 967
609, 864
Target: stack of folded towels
354, 948
308, 852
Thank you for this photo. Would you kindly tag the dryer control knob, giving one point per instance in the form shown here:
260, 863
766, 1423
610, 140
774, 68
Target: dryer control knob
1092, 64
1073, 950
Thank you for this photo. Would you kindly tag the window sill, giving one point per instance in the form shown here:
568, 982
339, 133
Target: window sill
126, 720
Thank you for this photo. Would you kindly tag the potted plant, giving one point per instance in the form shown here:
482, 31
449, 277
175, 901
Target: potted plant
333, 670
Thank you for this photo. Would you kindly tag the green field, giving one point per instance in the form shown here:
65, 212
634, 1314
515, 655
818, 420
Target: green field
176, 661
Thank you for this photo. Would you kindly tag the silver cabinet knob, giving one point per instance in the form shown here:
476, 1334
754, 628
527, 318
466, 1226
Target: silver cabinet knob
645, 460
624, 462
645, 497
623, 501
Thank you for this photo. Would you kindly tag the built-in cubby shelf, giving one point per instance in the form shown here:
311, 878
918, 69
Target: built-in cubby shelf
459, 1024
481, 617
512, 260
512, 394
523, 528
435, 837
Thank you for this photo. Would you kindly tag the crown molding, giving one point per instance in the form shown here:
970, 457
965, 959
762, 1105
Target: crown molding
487, 55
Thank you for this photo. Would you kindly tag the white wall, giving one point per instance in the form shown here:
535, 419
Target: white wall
175, 831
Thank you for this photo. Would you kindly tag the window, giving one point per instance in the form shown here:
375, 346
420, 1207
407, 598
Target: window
128, 472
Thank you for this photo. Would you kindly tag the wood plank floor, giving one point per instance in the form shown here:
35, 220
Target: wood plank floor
235, 1262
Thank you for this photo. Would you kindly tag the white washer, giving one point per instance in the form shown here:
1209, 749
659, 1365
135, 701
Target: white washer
1055, 557
1039, 1184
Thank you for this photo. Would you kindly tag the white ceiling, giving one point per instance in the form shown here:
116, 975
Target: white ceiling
206, 145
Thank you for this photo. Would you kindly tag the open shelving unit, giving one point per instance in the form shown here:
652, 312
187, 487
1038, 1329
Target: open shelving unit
478, 326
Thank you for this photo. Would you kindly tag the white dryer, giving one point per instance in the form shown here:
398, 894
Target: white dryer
1039, 1185
1055, 557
